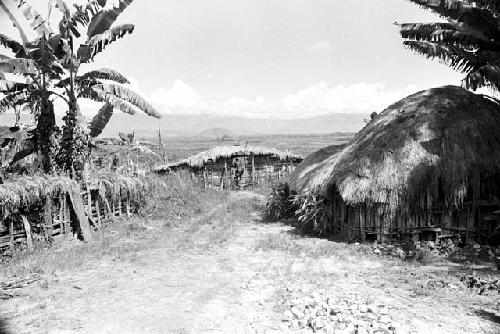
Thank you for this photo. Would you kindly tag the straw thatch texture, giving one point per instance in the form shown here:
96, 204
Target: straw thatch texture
116, 186
27, 191
440, 143
200, 159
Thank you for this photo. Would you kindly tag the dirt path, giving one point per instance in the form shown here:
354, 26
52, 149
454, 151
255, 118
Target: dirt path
238, 276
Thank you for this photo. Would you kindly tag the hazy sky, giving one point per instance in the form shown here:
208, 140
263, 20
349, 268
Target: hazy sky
270, 58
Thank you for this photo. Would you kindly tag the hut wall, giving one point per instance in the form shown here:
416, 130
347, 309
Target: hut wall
259, 169
370, 222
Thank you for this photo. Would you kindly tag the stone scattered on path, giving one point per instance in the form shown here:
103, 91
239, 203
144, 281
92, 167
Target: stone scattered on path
321, 313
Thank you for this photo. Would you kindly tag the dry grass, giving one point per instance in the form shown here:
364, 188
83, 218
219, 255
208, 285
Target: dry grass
320, 248
27, 191
178, 215
176, 204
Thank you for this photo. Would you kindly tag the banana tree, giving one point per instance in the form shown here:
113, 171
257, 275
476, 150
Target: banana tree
468, 42
103, 85
34, 63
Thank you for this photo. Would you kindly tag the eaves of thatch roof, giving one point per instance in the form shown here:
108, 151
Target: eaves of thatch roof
26, 191
200, 159
445, 133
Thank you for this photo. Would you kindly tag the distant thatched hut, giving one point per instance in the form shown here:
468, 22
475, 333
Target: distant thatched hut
219, 166
427, 165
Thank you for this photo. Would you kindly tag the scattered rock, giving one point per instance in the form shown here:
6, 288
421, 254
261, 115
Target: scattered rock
320, 313
383, 310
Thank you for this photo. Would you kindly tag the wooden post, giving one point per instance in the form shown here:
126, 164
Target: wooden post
467, 216
47, 215
378, 227
343, 232
99, 226
62, 225
119, 206
82, 219
253, 171
27, 228
226, 175
362, 224
128, 208
89, 201
108, 208
66, 216
11, 235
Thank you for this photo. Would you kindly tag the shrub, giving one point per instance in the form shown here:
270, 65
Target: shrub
311, 212
279, 203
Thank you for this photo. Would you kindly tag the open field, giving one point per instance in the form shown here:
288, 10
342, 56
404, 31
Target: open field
181, 147
206, 262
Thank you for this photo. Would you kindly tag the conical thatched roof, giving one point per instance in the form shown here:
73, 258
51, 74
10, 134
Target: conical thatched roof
447, 136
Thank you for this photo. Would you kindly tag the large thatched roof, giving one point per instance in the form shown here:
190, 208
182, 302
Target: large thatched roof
200, 159
446, 134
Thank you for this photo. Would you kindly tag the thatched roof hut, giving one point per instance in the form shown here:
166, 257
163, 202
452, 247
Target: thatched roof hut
435, 148
225, 152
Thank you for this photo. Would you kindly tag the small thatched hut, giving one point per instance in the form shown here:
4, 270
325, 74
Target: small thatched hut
427, 166
223, 166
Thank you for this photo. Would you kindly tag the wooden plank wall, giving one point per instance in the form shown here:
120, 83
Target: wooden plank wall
370, 223
54, 219
266, 172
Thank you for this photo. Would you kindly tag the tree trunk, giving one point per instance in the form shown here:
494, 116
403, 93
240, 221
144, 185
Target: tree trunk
45, 134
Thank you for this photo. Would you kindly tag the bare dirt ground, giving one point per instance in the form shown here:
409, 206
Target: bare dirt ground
228, 272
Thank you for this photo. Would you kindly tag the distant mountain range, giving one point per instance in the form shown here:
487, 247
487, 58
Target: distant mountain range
190, 124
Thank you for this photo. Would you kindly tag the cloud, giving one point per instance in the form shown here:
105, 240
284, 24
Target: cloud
181, 95
320, 47
361, 97
315, 100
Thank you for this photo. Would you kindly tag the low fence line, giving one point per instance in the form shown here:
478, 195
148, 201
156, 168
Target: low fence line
54, 218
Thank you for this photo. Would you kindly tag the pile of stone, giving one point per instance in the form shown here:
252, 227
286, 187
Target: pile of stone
440, 249
481, 285
319, 313
395, 250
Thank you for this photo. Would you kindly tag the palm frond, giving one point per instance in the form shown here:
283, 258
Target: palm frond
81, 16
87, 52
452, 56
479, 19
101, 96
63, 8
100, 120
446, 33
9, 101
485, 76
105, 19
37, 22
493, 5
14, 46
129, 96
104, 74
7, 86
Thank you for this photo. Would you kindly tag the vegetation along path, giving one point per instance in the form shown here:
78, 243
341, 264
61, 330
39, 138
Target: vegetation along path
225, 271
